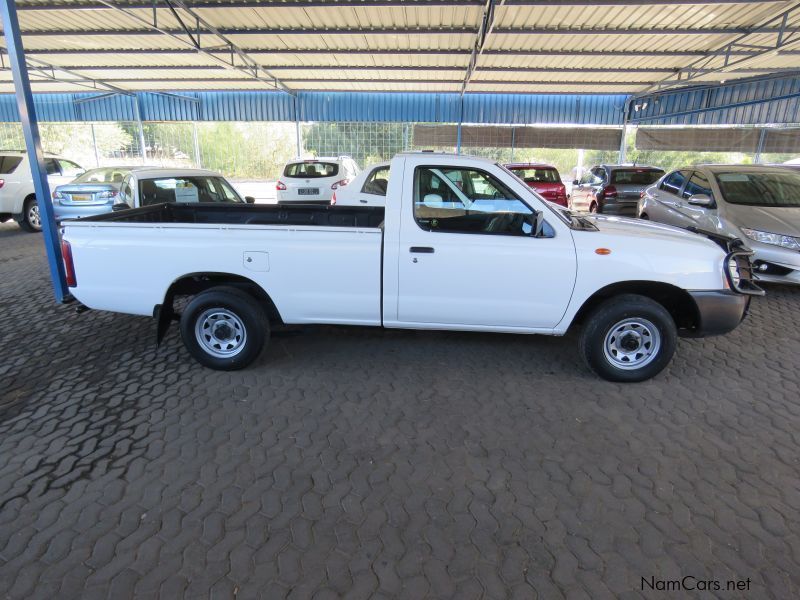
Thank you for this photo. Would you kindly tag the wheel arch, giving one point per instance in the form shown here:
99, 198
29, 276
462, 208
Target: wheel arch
677, 301
192, 284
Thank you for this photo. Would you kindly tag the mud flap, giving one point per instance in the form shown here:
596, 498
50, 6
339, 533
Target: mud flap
164, 316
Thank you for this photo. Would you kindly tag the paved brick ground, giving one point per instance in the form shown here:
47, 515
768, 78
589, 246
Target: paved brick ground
357, 463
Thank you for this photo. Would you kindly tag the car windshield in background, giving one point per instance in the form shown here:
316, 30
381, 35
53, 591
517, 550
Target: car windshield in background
311, 170
8, 164
105, 175
635, 176
760, 189
186, 189
537, 175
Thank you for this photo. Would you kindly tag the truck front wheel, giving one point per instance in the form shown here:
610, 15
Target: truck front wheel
224, 329
628, 338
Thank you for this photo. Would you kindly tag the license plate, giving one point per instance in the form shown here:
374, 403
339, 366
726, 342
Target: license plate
81, 197
308, 191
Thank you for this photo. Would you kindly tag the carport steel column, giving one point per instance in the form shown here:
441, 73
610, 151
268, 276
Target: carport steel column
30, 130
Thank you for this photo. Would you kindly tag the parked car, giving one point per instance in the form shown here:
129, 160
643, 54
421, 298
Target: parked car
368, 188
313, 181
544, 179
612, 189
758, 202
92, 193
464, 245
143, 187
17, 196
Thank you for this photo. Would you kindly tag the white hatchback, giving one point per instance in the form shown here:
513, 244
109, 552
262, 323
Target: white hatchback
369, 188
313, 181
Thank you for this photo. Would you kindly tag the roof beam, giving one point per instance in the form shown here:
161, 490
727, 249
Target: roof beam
192, 39
369, 80
486, 26
47, 72
154, 30
200, 4
437, 68
787, 38
412, 51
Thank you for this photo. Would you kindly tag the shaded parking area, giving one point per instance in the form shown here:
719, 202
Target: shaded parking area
366, 463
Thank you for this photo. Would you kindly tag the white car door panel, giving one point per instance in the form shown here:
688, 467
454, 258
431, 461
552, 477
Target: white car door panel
481, 275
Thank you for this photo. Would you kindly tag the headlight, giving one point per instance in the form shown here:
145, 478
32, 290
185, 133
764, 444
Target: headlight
776, 239
733, 269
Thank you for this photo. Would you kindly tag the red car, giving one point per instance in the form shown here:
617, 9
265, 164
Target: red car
543, 179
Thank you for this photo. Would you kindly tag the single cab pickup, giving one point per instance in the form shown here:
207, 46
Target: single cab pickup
462, 244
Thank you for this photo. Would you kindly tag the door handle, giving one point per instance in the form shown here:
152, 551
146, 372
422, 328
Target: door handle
421, 249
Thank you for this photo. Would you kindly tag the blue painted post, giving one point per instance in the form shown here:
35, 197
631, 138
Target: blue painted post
30, 130
458, 130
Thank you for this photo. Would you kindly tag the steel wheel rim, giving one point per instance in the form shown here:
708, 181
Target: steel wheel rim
632, 344
220, 332
33, 216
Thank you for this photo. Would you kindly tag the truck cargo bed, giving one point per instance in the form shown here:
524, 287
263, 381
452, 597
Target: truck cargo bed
247, 214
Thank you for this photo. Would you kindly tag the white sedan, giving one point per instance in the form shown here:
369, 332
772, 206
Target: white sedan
143, 187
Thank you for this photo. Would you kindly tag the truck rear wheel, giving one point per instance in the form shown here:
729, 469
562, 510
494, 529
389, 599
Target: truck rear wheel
224, 328
628, 338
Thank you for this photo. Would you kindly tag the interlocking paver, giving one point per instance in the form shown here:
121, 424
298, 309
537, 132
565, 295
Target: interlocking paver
386, 464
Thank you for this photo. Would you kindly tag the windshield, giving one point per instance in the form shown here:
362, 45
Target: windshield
186, 189
105, 175
635, 176
311, 169
761, 188
537, 175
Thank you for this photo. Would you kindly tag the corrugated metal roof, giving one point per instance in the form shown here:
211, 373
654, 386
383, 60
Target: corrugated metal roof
574, 37
543, 55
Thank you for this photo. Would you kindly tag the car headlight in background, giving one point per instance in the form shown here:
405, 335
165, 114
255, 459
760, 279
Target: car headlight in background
776, 239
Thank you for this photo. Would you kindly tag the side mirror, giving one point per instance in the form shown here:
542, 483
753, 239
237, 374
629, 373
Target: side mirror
249, 199
120, 206
702, 200
575, 182
432, 199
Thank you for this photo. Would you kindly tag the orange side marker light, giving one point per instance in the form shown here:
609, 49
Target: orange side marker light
602, 251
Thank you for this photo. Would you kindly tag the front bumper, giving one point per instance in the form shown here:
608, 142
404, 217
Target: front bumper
719, 312
62, 211
780, 265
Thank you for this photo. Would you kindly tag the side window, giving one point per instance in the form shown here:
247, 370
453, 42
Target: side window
51, 166
598, 175
674, 182
697, 184
377, 182
69, 168
465, 200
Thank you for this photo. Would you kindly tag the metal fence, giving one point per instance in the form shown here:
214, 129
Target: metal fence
258, 150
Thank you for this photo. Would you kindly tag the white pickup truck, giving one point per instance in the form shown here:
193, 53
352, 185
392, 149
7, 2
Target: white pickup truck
462, 244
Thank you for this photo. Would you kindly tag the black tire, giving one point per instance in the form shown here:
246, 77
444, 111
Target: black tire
593, 208
241, 321
31, 220
621, 314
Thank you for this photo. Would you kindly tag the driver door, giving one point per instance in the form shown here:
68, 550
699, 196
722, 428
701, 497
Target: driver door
468, 259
